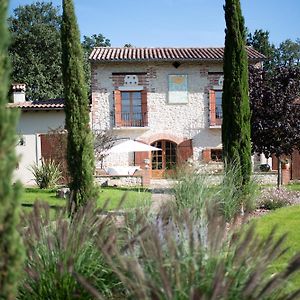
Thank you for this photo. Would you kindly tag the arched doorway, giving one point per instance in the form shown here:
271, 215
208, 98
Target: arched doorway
163, 162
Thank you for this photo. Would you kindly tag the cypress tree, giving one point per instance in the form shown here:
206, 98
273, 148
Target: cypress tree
80, 156
235, 102
11, 254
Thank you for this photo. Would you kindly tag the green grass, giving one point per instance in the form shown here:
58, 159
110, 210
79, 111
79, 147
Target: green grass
294, 186
288, 221
135, 197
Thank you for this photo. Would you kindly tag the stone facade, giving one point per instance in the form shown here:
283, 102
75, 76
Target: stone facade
174, 122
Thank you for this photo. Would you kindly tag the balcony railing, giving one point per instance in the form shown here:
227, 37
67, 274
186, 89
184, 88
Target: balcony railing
129, 119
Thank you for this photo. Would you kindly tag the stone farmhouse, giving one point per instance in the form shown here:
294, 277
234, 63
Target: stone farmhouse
166, 97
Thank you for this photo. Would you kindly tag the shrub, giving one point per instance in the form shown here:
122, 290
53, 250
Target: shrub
174, 257
273, 198
194, 190
47, 175
56, 249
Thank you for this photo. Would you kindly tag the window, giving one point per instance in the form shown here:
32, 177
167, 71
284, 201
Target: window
219, 114
216, 154
131, 111
130, 108
215, 107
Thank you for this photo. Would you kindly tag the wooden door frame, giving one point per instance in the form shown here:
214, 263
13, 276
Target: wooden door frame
159, 173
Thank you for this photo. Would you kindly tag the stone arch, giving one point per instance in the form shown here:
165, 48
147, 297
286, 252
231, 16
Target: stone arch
162, 136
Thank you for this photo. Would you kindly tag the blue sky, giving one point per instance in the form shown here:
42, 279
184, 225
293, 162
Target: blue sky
179, 23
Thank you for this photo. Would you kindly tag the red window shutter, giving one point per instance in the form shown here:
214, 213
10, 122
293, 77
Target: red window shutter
274, 162
206, 155
144, 108
139, 158
212, 107
184, 151
118, 108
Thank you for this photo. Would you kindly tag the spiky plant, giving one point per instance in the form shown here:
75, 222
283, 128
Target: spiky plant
57, 248
175, 257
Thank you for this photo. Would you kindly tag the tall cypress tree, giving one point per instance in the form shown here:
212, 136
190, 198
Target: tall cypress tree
235, 102
80, 154
11, 254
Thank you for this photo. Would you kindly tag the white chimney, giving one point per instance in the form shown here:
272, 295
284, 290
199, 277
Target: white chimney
18, 92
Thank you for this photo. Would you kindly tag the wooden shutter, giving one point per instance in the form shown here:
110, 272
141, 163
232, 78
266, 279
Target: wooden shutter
274, 162
206, 155
296, 165
118, 108
139, 158
184, 151
212, 108
144, 108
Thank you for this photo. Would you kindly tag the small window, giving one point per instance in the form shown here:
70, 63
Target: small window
219, 113
216, 154
215, 107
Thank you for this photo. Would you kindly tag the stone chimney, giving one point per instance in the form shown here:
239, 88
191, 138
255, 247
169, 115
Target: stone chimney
18, 92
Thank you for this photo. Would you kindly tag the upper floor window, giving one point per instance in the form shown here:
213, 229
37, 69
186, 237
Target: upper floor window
130, 108
215, 107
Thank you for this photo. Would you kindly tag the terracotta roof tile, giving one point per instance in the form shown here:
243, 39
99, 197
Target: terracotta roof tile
51, 104
109, 54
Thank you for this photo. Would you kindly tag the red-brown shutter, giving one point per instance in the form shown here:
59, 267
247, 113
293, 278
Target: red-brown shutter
139, 158
212, 108
118, 108
296, 165
206, 155
184, 151
274, 162
144, 108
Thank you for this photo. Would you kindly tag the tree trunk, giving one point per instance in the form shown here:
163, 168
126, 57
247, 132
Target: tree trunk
279, 174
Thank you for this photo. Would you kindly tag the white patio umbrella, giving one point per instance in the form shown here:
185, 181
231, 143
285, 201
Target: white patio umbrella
131, 146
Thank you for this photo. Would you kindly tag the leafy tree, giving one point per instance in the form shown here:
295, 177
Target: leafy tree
36, 49
288, 53
235, 102
275, 115
88, 44
80, 154
259, 40
11, 253
95, 40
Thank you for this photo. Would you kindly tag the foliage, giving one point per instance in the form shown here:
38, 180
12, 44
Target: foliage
56, 248
235, 102
36, 50
103, 141
172, 256
259, 40
80, 154
88, 43
193, 191
288, 53
46, 175
273, 198
275, 116
11, 251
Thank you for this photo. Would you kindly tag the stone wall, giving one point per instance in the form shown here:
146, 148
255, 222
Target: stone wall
176, 121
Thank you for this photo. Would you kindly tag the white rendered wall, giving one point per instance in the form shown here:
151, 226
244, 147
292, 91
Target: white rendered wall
31, 125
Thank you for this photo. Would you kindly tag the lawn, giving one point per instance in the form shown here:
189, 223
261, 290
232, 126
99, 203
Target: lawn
288, 221
135, 197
